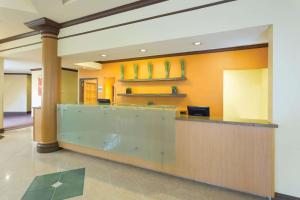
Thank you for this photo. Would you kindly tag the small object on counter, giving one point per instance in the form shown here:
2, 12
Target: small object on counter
128, 91
174, 90
149, 103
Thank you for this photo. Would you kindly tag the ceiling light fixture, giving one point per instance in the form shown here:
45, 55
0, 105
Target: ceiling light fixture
65, 2
197, 43
103, 55
143, 50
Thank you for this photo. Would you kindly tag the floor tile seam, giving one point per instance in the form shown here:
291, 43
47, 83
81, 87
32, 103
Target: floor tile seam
60, 175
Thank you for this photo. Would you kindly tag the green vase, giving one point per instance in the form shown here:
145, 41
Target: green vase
182, 65
167, 68
136, 70
122, 70
150, 70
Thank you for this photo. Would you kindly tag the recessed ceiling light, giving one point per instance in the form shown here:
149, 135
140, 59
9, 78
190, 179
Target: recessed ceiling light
64, 2
197, 43
143, 50
103, 55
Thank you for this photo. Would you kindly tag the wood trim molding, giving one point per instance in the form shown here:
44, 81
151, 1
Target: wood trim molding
26, 74
20, 36
35, 69
110, 12
106, 13
44, 25
7, 114
71, 70
150, 18
1, 130
279, 196
255, 46
63, 68
47, 148
113, 11
26, 45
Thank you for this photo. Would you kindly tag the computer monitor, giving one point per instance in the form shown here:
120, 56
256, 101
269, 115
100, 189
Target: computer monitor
103, 101
198, 111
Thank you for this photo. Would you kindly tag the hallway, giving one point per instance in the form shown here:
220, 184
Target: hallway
17, 121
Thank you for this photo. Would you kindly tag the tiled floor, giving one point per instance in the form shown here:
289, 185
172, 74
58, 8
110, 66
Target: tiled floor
104, 180
56, 186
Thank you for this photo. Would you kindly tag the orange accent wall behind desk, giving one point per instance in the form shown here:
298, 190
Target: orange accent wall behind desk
204, 73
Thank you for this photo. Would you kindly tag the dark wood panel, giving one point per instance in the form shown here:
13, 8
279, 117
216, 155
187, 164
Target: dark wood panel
150, 18
153, 80
152, 95
279, 196
20, 36
117, 10
255, 46
110, 12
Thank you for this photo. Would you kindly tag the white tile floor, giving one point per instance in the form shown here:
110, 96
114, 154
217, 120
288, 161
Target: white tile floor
104, 180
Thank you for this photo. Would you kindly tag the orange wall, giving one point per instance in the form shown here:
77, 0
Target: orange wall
204, 72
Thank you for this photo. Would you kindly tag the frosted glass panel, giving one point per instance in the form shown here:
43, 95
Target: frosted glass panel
147, 133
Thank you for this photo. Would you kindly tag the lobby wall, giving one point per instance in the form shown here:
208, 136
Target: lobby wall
204, 73
69, 87
1, 92
245, 94
17, 93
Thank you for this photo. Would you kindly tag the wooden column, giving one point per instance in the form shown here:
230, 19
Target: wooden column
51, 84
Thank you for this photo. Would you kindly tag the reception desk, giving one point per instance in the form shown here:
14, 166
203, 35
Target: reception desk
235, 154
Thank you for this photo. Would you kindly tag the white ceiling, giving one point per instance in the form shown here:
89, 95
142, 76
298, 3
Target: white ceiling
14, 13
59, 12
249, 36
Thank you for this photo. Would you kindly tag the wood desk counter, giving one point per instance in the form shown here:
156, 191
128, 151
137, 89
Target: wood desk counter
242, 122
237, 154
234, 154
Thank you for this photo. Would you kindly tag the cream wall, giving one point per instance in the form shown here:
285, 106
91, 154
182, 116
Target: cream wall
17, 93
69, 87
236, 15
245, 94
1, 91
36, 99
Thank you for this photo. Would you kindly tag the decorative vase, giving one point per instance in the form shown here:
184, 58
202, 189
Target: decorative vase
174, 90
167, 68
122, 70
136, 70
150, 70
182, 65
128, 91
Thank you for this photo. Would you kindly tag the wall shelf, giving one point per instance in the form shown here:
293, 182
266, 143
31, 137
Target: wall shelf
153, 80
152, 95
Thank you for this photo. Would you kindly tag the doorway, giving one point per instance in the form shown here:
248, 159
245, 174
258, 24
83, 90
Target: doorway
88, 91
109, 89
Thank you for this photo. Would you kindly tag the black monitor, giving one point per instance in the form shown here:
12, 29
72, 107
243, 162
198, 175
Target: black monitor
103, 101
198, 111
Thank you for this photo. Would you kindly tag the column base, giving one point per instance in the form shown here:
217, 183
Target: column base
47, 148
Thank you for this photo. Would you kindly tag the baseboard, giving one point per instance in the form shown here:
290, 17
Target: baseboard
279, 196
9, 114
